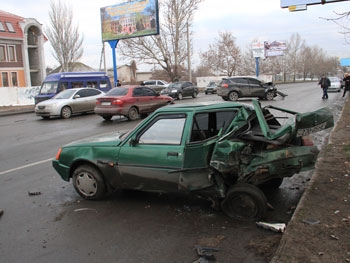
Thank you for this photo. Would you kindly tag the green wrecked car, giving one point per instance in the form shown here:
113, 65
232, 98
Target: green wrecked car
225, 152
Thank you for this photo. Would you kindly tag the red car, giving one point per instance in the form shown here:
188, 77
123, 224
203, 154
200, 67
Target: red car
130, 101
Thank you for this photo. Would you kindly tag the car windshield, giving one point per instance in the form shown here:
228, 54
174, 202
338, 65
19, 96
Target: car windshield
174, 85
333, 79
49, 87
66, 94
117, 92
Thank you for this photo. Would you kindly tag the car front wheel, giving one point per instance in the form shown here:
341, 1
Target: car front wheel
245, 201
233, 96
88, 182
269, 95
66, 112
194, 95
179, 96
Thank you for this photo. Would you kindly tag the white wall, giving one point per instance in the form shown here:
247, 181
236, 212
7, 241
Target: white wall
12, 96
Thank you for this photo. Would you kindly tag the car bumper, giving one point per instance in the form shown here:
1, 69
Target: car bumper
111, 111
61, 169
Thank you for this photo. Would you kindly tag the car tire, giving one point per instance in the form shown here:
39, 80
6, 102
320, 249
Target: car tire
194, 95
206, 93
225, 98
107, 117
270, 95
233, 96
66, 112
179, 96
133, 114
89, 183
244, 201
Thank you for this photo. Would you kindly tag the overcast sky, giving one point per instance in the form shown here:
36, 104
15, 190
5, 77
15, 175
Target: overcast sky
246, 19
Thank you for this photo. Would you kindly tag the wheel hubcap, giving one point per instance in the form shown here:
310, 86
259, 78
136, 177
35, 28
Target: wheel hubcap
86, 184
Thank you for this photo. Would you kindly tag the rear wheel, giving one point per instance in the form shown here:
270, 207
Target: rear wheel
107, 117
269, 95
66, 112
233, 96
245, 201
133, 114
88, 182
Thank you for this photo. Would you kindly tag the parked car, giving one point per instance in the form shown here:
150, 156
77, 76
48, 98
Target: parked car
68, 102
225, 152
240, 87
336, 84
157, 84
211, 88
130, 101
180, 89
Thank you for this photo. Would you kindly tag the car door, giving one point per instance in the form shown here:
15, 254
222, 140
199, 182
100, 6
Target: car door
150, 99
139, 99
86, 99
152, 159
187, 89
243, 86
256, 88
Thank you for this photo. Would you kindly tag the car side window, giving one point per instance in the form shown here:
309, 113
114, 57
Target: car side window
88, 92
137, 92
254, 82
148, 92
241, 81
164, 131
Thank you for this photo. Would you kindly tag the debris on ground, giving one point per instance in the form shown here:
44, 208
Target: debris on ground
33, 193
276, 227
205, 253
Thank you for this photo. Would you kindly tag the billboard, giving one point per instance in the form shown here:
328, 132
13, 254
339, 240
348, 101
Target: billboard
268, 49
287, 3
131, 18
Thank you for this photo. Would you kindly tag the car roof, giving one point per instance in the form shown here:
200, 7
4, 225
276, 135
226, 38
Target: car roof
205, 106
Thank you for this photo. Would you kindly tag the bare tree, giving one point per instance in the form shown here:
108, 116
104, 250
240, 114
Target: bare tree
64, 37
169, 49
224, 56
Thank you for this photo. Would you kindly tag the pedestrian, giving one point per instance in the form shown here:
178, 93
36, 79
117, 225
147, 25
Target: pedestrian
324, 83
118, 83
346, 80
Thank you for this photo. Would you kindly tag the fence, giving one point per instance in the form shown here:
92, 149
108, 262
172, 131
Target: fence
13, 96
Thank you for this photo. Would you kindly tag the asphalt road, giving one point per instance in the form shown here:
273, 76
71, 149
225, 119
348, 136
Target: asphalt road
45, 220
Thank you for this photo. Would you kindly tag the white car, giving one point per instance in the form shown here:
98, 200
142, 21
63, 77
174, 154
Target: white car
157, 85
68, 102
335, 84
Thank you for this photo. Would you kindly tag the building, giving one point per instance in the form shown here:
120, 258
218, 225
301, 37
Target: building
22, 60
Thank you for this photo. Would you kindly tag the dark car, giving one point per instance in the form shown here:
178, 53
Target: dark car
225, 152
180, 89
130, 101
240, 87
211, 88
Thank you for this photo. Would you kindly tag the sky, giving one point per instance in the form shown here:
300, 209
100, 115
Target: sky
247, 20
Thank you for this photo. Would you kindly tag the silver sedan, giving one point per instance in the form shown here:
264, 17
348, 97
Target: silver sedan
68, 102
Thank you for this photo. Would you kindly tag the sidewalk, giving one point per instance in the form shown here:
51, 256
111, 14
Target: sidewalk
319, 230
8, 110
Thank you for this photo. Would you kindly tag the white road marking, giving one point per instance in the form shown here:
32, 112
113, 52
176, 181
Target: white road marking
25, 166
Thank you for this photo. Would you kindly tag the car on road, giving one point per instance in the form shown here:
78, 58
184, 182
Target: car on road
233, 88
130, 101
225, 152
211, 88
156, 84
69, 102
180, 89
336, 84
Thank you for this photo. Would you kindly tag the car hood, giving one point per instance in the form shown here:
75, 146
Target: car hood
107, 139
53, 102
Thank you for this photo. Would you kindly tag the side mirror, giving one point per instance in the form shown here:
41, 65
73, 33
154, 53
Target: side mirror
76, 97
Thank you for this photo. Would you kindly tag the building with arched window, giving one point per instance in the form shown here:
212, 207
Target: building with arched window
22, 60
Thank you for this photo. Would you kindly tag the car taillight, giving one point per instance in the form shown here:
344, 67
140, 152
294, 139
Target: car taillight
117, 102
57, 157
307, 141
225, 86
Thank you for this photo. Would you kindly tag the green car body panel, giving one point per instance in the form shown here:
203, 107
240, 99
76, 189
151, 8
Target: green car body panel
240, 144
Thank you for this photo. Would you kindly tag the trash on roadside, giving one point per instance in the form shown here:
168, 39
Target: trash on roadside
311, 221
276, 227
85, 209
205, 253
33, 193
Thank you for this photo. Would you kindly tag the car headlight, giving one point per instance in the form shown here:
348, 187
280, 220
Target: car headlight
174, 91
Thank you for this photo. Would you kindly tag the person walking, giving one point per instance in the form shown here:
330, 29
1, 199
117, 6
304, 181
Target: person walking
324, 83
346, 80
